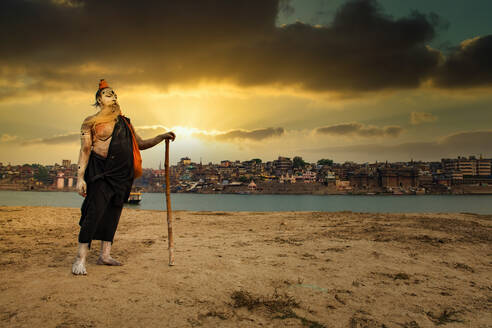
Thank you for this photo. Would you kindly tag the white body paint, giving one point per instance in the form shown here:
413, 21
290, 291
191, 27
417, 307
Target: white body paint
78, 266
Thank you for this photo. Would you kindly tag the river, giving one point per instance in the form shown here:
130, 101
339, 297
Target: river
481, 204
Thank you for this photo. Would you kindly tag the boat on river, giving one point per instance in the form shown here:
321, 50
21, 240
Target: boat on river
135, 198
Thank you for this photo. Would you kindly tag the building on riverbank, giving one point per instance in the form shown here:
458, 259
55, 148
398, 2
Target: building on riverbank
470, 166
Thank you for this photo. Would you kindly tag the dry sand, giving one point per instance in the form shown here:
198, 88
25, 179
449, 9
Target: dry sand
250, 269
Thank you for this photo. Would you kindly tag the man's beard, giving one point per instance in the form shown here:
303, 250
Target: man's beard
106, 116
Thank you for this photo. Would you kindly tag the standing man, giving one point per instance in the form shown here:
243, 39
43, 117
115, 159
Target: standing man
106, 170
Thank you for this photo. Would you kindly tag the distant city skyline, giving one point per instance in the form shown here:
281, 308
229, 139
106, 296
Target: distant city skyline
284, 175
348, 80
160, 165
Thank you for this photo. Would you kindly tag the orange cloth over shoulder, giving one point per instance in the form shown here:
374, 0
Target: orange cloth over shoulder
137, 158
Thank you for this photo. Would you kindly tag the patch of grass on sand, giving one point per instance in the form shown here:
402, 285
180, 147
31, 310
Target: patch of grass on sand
411, 324
401, 275
220, 315
463, 266
356, 322
274, 303
394, 276
280, 304
290, 241
210, 213
448, 315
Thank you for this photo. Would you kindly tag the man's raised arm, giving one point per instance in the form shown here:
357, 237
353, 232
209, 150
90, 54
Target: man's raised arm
148, 143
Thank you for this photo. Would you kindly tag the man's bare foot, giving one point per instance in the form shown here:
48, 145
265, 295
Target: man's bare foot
78, 267
105, 257
107, 261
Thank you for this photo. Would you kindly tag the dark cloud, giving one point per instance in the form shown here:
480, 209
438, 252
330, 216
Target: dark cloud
152, 131
461, 143
48, 45
469, 65
55, 140
144, 132
7, 138
468, 139
358, 129
421, 117
286, 8
232, 135
256, 135
59, 44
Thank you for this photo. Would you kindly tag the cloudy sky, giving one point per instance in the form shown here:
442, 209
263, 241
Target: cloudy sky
354, 80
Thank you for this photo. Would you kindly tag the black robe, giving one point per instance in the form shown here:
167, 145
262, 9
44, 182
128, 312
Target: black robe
109, 182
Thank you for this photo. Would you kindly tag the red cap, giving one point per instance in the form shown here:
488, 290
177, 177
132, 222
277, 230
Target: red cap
103, 84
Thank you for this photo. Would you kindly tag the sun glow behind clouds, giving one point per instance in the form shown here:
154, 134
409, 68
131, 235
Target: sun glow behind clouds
226, 89
181, 131
190, 132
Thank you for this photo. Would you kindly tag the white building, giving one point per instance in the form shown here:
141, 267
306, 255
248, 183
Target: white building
309, 177
287, 178
252, 185
60, 180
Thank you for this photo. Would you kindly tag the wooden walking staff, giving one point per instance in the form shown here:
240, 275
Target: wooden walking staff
170, 236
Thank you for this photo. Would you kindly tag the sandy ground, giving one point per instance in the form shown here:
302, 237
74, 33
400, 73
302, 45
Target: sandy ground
250, 269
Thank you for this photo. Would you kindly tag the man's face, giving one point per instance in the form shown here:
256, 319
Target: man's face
108, 97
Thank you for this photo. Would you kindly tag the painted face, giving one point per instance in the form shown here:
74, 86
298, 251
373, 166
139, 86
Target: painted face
108, 98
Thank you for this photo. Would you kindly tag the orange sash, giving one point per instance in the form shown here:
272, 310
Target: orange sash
137, 159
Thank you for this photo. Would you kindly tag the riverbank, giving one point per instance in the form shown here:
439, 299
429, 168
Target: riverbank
243, 269
467, 191
274, 188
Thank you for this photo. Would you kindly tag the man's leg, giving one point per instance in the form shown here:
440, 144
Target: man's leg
93, 214
112, 217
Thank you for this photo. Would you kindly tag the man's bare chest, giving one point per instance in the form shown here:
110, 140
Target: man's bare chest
103, 131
